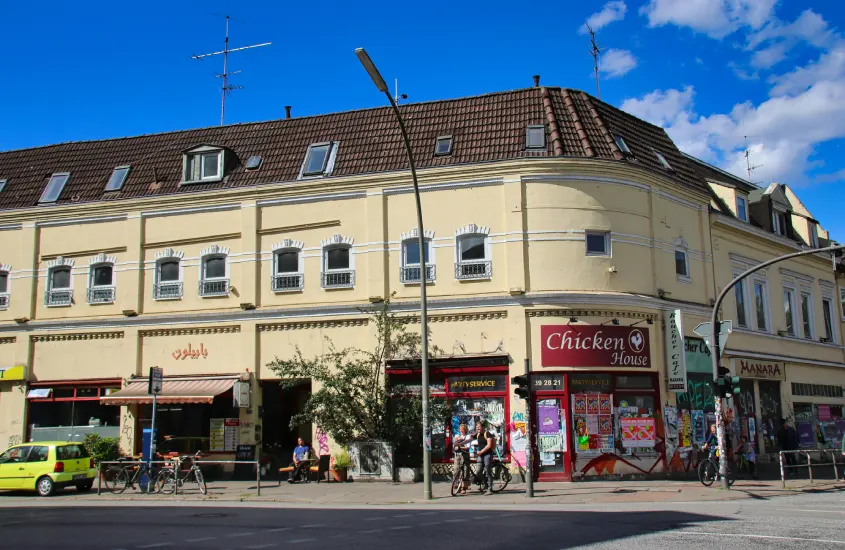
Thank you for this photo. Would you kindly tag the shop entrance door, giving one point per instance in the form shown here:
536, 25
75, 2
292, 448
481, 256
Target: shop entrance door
551, 456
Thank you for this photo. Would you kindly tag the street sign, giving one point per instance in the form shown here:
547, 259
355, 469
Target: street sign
156, 375
705, 330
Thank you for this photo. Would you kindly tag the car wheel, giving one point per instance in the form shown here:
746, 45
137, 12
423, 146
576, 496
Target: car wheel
45, 486
84, 487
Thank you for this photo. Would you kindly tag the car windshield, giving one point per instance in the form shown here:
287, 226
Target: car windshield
15, 454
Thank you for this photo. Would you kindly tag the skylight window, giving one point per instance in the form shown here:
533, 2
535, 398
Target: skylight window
253, 162
2, 184
620, 142
117, 178
54, 187
535, 137
443, 146
318, 159
663, 161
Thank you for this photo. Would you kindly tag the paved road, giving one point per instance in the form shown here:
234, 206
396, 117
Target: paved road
806, 521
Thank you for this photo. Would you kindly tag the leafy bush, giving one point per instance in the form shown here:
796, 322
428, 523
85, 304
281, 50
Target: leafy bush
102, 448
342, 461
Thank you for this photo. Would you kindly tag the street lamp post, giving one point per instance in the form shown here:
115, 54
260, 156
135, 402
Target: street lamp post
382, 87
714, 335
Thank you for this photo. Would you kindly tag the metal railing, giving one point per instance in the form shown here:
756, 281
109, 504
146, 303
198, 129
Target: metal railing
175, 462
287, 282
4, 300
167, 291
809, 465
101, 295
474, 270
411, 273
58, 297
214, 287
338, 279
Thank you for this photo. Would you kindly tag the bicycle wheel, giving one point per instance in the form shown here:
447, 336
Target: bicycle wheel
501, 478
166, 481
200, 481
457, 483
707, 472
116, 478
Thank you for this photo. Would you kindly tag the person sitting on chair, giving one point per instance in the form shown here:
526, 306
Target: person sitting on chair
300, 460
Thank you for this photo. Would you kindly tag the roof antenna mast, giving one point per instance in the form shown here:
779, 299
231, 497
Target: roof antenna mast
594, 51
227, 88
748, 166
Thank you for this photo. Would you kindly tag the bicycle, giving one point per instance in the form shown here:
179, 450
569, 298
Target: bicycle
501, 477
168, 479
708, 470
118, 478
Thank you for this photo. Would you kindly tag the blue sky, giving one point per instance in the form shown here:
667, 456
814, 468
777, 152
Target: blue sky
710, 71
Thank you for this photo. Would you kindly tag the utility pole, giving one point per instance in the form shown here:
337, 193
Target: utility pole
595, 51
529, 465
227, 88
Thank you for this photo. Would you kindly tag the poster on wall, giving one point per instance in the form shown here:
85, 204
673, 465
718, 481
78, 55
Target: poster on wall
686, 433
548, 419
806, 437
217, 435
605, 404
698, 426
592, 404
563, 434
579, 404
605, 425
637, 432
231, 428
670, 417
547, 459
593, 424
606, 443
518, 440
550, 443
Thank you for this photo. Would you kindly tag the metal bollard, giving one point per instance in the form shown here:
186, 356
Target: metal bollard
835, 470
782, 474
810, 466
258, 477
99, 478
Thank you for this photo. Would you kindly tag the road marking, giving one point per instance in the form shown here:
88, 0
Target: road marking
200, 539
396, 528
772, 537
808, 510
279, 529
312, 526
241, 534
299, 540
428, 513
155, 545
481, 517
268, 545
403, 516
371, 531
374, 519
453, 520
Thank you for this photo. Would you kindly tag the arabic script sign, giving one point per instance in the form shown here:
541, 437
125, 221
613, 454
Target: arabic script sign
594, 346
191, 352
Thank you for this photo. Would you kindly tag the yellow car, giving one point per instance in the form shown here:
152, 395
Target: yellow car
45, 466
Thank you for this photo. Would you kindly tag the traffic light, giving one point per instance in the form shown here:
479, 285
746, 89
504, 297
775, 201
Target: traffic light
521, 389
725, 384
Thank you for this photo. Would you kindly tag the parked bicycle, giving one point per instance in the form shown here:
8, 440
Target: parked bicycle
117, 478
501, 477
168, 478
708, 469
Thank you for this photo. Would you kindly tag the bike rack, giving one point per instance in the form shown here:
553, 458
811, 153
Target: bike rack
177, 462
809, 464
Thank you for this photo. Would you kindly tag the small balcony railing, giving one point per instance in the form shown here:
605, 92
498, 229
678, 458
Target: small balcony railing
58, 297
287, 282
474, 270
214, 287
411, 273
101, 295
167, 291
4, 300
339, 279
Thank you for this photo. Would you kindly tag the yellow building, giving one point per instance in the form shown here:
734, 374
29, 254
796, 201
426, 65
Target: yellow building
559, 231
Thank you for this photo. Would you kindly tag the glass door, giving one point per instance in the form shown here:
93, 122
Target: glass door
550, 439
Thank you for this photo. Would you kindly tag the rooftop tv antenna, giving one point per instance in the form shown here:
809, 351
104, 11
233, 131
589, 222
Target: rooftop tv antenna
594, 51
399, 97
227, 88
748, 166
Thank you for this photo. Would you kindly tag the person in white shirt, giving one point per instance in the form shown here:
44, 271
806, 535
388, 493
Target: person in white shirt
460, 444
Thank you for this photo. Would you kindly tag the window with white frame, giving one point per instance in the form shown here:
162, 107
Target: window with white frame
168, 275
807, 322
741, 303
682, 264
319, 159
411, 272
338, 269
472, 251
59, 282
742, 207
4, 286
828, 312
597, 242
101, 285
288, 273
813, 231
535, 137
761, 305
789, 310
54, 187
214, 272
118, 176
203, 164
779, 222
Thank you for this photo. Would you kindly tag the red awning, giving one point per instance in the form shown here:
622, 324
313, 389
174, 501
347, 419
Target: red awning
180, 390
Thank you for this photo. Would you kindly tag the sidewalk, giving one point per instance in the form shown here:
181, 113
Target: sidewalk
370, 494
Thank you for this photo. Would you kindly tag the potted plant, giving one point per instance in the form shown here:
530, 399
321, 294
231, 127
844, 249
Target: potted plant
342, 463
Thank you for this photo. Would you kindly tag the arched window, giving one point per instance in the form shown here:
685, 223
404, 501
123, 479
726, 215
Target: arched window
5, 295
411, 270
59, 283
472, 253
288, 267
101, 286
338, 263
214, 275
168, 275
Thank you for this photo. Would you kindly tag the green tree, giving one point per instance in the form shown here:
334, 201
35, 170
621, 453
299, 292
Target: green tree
351, 397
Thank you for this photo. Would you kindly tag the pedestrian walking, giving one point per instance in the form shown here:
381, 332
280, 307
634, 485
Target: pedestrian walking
788, 439
486, 443
461, 444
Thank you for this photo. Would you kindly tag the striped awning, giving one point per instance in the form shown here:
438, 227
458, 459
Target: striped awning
179, 390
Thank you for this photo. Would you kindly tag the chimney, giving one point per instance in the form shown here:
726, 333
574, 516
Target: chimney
287, 111
536, 81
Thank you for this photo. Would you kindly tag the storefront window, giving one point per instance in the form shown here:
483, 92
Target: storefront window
551, 435
490, 411
745, 423
187, 428
770, 413
637, 423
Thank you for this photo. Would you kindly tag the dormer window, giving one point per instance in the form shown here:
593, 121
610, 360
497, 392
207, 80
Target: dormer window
443, 146
319, 159
54, 187
663, 162
742, 208
203, 164
779, 222
813, 231
620, 142
535, 137
118, 176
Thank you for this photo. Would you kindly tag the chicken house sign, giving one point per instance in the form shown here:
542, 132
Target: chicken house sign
594, 346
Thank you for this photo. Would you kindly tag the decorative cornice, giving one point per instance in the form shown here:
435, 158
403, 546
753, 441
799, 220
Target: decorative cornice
60, 261
308, 325
8, 339
214, 249
827, 284
313, 198
455, 317
195, 210
588, 313
76, 336
337, 239
81, 221
169, 253
193, 331
415, 234
444, 186
288, 243
102, 259
472, 229
795, 274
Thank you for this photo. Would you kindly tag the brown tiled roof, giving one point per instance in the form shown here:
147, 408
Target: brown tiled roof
710, 172
484, 128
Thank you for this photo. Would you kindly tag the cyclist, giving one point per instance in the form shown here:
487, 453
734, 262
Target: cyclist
486, 443
460, 444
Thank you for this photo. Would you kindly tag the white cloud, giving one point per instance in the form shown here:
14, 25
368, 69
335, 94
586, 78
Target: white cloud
809, 27
770, 56
741, 73
612, 11
615, 63
715, 18
829, 67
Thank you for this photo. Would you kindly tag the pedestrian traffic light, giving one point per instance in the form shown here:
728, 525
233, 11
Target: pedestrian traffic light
521, 389
726, 385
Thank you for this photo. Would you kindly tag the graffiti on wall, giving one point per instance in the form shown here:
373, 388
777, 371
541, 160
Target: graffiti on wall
322, 442
14, 440
699, 395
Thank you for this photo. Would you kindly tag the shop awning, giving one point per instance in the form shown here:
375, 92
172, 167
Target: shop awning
180, 390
